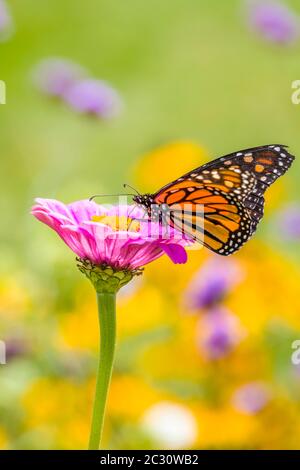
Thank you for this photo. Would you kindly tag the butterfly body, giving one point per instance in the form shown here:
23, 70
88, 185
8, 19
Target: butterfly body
220, 203
155, 211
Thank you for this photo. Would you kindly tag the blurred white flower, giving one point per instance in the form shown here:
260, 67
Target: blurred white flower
171, 425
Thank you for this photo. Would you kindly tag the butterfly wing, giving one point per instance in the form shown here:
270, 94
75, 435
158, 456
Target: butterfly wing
220, 203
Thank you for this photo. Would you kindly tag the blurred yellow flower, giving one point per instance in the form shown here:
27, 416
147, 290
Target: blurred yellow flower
63, 407
167, 163
142, 311
172, 277
176, 357
276, 194
138, 311
269, 290
223, 428
130, 396
79, 329
278, 426
14, 298
3, 439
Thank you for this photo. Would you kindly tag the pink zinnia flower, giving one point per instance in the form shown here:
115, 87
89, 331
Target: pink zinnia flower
111, 237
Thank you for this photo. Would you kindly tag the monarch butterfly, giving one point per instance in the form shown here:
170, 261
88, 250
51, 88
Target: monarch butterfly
230, 191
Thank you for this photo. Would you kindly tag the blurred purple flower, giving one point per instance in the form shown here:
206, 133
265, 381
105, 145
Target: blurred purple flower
251, 398
93, 97
274, 21
214, 280
55, 76
289, 221
6, 24
15, 347
219, 331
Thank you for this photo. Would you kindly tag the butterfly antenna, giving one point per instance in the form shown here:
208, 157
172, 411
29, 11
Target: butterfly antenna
109, 195
125, 185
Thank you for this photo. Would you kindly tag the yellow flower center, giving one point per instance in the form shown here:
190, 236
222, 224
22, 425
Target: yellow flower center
118, 223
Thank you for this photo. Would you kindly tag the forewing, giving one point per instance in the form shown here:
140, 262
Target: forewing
230, 190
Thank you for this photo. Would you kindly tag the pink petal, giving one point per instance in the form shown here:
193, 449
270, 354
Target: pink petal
52, 205
85, 210
176, 253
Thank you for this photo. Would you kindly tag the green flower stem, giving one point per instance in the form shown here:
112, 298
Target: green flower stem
106, 281
107, 323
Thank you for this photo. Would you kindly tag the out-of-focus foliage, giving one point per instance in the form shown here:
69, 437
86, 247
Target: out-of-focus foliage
199, 365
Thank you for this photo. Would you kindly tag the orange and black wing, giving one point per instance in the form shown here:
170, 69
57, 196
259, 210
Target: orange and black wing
220, 203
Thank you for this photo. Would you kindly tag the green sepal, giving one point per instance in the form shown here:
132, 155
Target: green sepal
105, 278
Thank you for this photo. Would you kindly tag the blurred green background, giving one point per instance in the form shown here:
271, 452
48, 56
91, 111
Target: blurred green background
187, 71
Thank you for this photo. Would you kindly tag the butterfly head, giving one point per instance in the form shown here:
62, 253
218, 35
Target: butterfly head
145, 200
